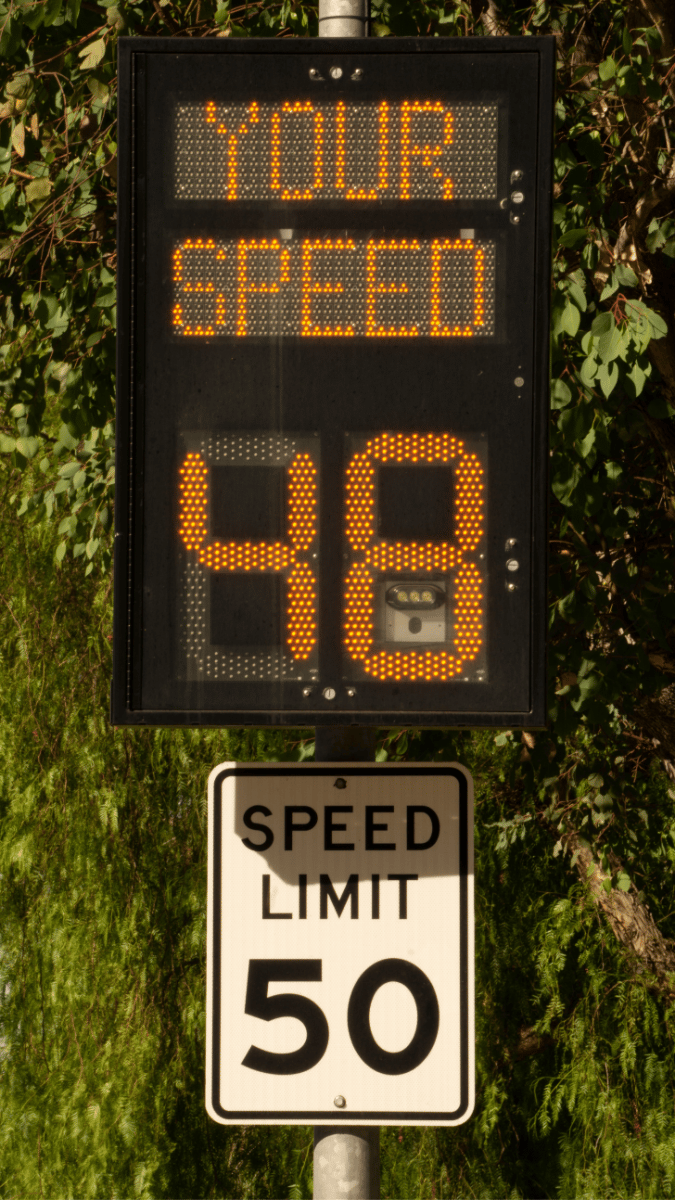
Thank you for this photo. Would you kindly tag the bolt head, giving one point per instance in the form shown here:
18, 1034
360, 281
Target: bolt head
340, 1102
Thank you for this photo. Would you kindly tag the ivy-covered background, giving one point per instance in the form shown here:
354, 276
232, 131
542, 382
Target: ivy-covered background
102, 832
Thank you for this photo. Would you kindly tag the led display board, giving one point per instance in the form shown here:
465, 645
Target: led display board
332, 381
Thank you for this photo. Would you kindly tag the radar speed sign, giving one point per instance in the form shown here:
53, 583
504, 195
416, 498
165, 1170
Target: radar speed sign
332, 387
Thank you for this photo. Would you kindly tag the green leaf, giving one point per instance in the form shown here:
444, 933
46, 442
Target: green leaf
573, 237
612, 345
47, 307
609, 340
19, 139
58, 323
661, 236
570, 318
69, 470
623, 882
100, 91
20, 86
577, 294
602, 324
626, 275
66, 439
610, 287
643, 318
586, 445
92, 54
567, 606
561, 394
105, 296
565, 479
10, 36
60, 551
28, 446
607, 69
7, 444
638, 378
608, 377
39, 189
116, 18
588, 371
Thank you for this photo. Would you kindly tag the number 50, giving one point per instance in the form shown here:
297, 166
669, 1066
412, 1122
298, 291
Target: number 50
262, 971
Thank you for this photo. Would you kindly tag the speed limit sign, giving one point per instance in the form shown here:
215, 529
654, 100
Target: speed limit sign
340, 944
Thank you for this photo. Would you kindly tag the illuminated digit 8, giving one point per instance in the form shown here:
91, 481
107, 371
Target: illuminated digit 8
260, 556
384, 556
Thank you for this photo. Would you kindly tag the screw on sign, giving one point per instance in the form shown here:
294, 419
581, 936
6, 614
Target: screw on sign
340, 944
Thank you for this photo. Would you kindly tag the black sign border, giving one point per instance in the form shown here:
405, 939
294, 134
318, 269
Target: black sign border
335, 1116
126, 704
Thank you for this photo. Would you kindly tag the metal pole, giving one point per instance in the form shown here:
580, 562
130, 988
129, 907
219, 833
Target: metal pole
346, 1163
346, 1157
343, 18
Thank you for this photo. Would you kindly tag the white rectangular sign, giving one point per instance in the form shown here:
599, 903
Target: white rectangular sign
340, 944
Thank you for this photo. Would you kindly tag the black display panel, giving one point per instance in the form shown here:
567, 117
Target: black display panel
333, 381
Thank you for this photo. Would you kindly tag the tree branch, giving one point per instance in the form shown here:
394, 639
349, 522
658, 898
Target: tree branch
630, 920
490, 18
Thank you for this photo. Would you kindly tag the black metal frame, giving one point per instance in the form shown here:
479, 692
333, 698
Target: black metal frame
521, 644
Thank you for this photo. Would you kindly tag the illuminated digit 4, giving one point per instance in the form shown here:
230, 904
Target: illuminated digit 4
261, 556
382, 556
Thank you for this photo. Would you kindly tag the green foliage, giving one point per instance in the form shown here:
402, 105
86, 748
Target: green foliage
574, 1067
103, 909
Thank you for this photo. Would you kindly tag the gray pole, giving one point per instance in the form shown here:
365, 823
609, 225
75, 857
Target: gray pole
346, 1157
343, 18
